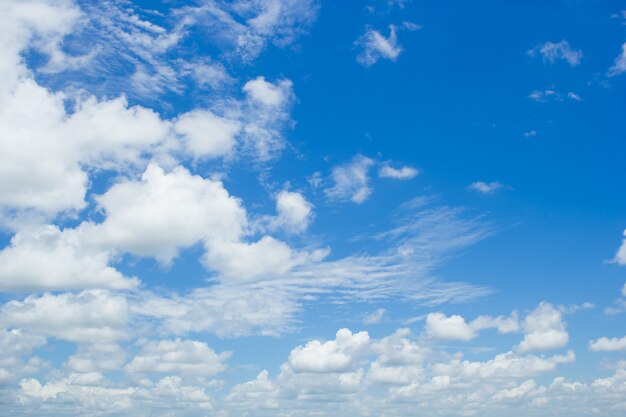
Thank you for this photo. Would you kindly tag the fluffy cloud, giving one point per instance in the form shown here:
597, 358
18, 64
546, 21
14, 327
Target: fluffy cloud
404, 173
181, 357
399, 360
165, 212
46, 258
97, 357
376, 46
93, 316
294, 212
604, 344
439, 326
332, 356
505, 365
544, 329
207, 135
268, 257
551, 51
350, 181
268, 94
258, 392
454, 327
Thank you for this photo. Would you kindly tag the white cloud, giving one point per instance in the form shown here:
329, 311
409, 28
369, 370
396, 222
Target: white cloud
452, 328
350, 181
439, 326
294, 212
411, 26
207, 135
97, 357
604, 344
573, 96
46, 258
268, 94
403, 173
376, 46
17, 357
375, 317
500, 323
165, 212
268, 257
225, 310
258, 392
551, 51
181, 357
332, 356
544, 329
620, 256
485, 187
549, 94
264, 114
92, 316
505, 365
620, 63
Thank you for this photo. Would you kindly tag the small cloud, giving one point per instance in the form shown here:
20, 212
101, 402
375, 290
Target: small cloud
484, 187
621, 16
544, 96
376, 46
620, 63
376, 317
549, 94
350, 180
604, 344
411, 26
574, 96
404, 173
530, 134
561, 50
620, 256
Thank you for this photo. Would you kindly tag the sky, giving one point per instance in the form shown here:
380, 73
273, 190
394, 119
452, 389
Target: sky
295, 208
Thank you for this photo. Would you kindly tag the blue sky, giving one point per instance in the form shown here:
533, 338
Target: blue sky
305, 207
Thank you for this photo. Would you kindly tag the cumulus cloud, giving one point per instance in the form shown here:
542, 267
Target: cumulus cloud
544, 329
332, 356
350, 180
294, 212
551, 52
47, 258
604, 344
207, 135
91, 316
375, 46
439, 326
453, 327
164, 212
181, 357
